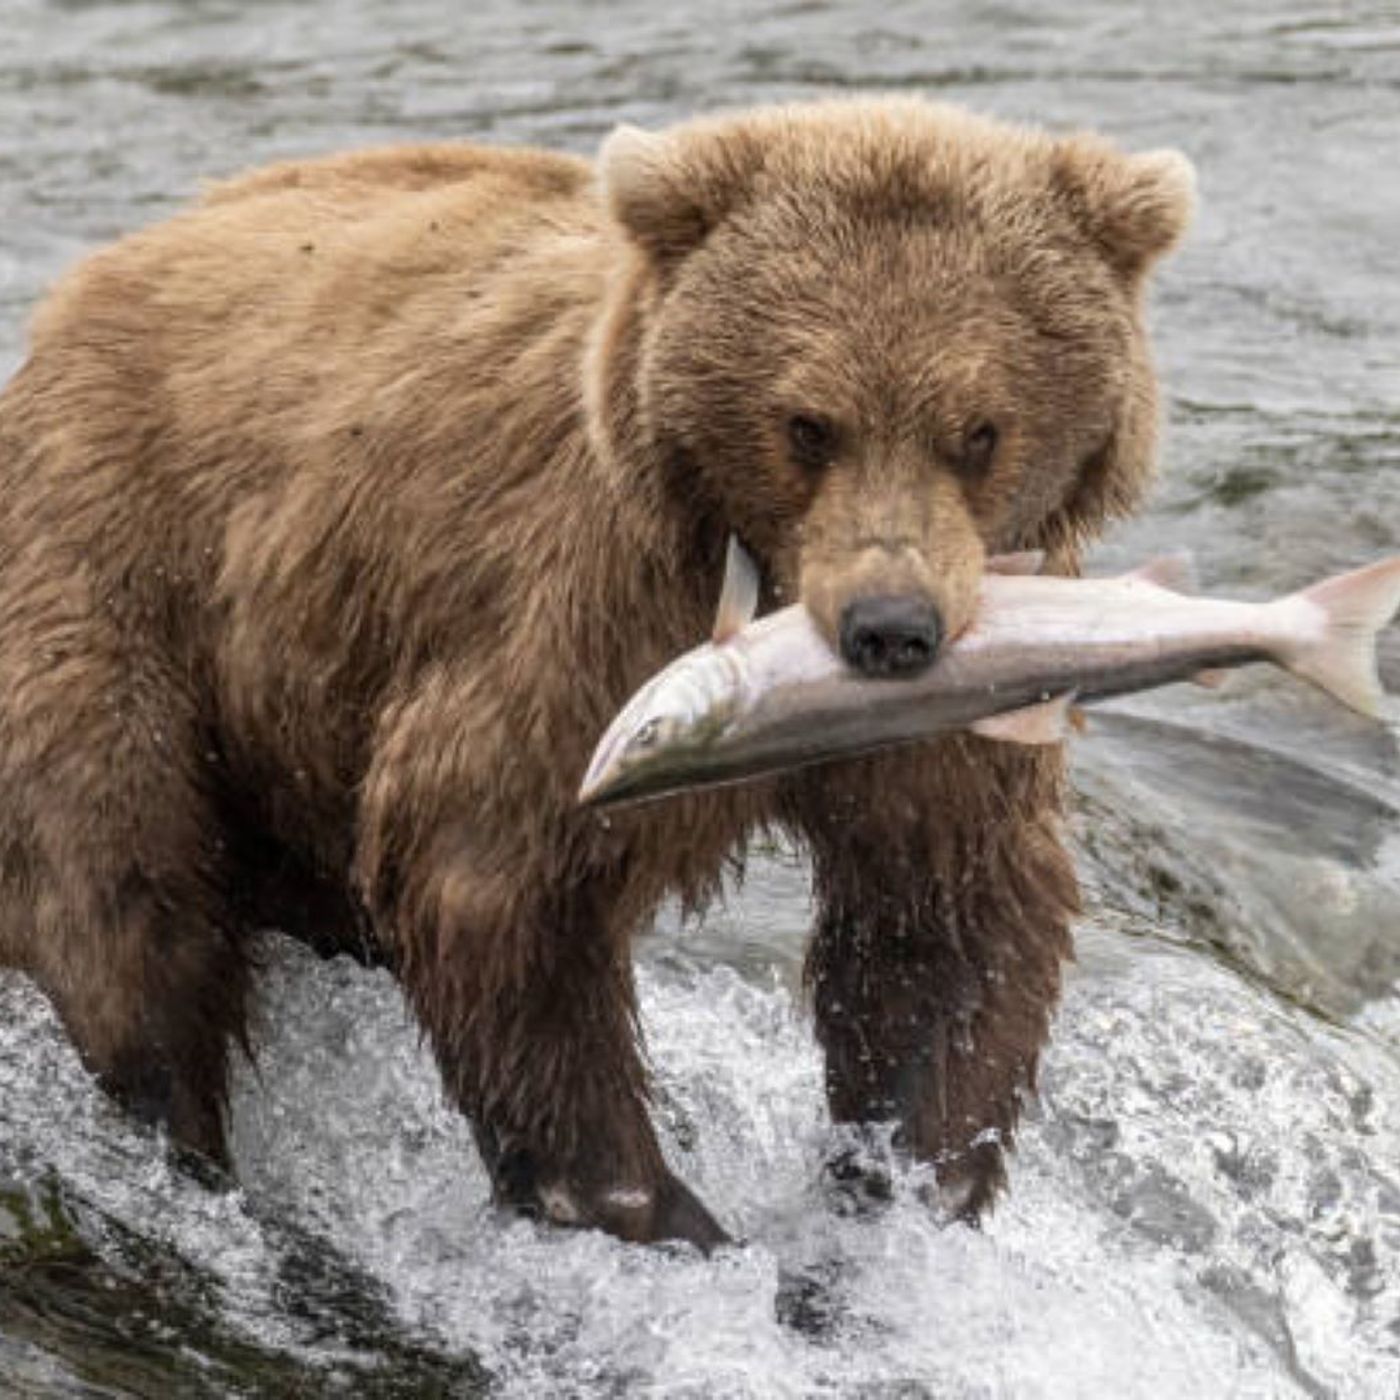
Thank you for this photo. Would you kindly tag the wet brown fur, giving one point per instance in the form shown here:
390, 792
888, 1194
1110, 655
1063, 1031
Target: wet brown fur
340, 513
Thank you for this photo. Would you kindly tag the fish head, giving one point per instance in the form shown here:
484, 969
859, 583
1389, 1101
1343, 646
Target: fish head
662, 735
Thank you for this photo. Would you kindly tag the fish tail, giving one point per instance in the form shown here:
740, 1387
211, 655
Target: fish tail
1340, 654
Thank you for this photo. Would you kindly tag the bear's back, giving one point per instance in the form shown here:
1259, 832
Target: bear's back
235, 423
286, 236
198, 363
375, 172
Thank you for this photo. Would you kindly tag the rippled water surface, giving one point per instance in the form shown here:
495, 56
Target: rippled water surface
1207, 1197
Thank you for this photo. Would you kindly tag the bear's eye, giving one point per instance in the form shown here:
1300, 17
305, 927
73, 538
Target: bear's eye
812, 439
979, 447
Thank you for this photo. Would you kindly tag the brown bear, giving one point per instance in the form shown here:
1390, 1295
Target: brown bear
340, 513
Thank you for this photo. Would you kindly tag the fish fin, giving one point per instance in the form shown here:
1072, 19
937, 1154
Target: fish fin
1079, 719
1175, 572
1212, 678
1342, 657
1026, 561
1046, 723
738, 599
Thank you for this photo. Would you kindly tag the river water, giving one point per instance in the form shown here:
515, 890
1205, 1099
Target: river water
1207, 1198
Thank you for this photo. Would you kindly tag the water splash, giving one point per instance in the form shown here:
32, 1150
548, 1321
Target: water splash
1204, 1202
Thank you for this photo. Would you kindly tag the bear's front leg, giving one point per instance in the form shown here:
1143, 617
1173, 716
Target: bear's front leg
525, 986
510, 933
944, 902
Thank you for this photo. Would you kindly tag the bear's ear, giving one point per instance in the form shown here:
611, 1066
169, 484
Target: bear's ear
1134, 207
670, 190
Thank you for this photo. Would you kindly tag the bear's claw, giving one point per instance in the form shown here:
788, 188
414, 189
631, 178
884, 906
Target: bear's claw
642, 1215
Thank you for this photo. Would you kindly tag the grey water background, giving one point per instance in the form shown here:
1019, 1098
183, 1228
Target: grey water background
1206, 1201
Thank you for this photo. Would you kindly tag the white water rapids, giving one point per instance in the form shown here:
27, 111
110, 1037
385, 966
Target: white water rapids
1206, 1199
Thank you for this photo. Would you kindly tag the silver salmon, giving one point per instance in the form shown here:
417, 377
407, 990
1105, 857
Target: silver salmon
769, 695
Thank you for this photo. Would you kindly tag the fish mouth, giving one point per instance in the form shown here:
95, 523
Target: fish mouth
608, 769
597, 790
610, 776
605, 775
608, 789
619, 772
646, 783
612, 779
610, 782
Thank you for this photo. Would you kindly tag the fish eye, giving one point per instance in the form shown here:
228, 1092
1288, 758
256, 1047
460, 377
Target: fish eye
648, 734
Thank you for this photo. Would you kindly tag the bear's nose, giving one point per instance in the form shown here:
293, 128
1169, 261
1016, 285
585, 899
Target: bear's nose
890, 636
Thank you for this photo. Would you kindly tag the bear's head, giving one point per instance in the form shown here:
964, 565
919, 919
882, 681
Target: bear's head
881, 339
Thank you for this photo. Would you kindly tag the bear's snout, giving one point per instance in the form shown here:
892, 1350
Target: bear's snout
891, 636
